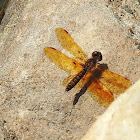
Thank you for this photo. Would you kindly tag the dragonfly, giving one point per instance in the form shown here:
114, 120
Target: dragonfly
87, 74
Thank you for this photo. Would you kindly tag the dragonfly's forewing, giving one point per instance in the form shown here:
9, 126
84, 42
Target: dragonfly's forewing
69, 44
116, 83
62, 61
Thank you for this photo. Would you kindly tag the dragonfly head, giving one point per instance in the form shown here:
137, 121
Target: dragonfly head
97, 55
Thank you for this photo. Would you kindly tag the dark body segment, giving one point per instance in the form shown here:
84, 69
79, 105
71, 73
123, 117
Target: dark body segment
75, 80
96, 57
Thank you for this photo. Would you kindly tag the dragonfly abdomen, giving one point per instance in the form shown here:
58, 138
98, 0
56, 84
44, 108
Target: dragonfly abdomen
75, 80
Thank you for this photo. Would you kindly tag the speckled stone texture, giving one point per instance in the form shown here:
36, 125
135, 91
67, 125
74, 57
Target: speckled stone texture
33, 102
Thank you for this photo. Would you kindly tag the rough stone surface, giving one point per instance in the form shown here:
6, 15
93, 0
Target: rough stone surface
33, 104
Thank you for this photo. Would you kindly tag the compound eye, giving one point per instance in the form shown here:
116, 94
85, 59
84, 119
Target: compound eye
97, 55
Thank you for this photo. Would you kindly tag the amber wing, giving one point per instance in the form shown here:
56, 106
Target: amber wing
62, 61
116, 83
69, 44
100, 93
